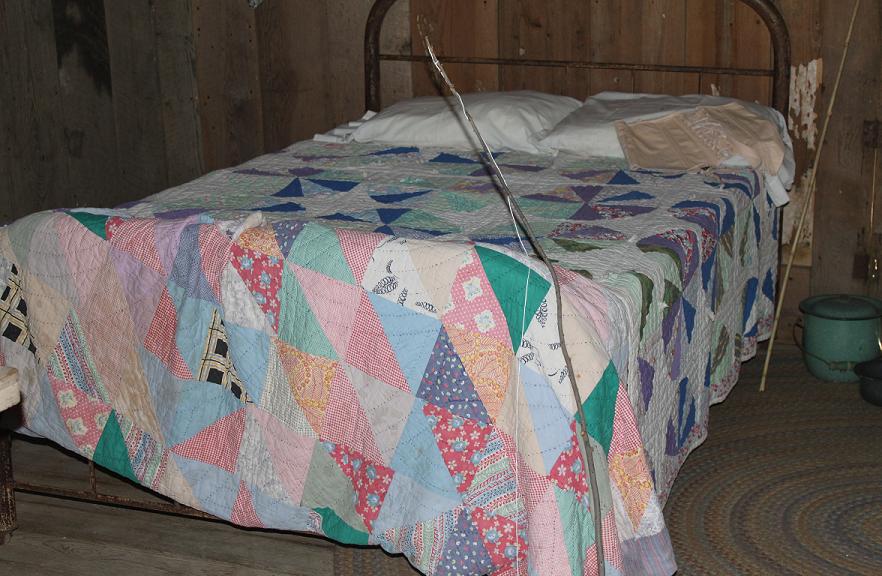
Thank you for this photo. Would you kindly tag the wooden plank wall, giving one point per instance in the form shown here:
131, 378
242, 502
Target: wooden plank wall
700, 32
106, 102
33, 132
845, 174
96, 105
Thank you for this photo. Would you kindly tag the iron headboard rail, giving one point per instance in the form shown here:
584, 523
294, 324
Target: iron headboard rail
765, 9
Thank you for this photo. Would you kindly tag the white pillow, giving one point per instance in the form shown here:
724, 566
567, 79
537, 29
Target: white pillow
507, 121
590, 130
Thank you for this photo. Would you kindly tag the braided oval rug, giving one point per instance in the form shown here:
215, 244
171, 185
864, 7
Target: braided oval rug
789, 481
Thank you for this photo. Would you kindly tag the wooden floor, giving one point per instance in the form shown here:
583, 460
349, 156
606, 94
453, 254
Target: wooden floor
58, 537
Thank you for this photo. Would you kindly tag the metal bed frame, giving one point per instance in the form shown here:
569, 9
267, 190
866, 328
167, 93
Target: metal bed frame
779, 75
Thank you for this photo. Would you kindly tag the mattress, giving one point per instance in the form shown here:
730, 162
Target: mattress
346, 339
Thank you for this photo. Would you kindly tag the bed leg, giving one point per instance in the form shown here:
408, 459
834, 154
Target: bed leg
7, 486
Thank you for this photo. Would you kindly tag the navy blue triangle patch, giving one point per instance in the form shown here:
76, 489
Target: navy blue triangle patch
291, 190
769, 286
392, 198
621, 178
342, 217
286, 207
389, 215
446, 384
689, 316
336, 185
396, 150
448, 158
286, 232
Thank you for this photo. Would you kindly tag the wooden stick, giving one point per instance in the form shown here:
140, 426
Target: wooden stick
809, 197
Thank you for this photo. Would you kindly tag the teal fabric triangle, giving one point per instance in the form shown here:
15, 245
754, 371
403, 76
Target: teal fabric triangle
601, 407
112, 452
94, 222
508, 278
336, 529
579, 535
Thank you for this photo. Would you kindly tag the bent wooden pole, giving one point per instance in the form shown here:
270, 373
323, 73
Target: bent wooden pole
809, 196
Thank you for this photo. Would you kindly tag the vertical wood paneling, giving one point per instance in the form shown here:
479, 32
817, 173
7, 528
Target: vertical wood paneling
175, 59
615, 28
343, 84
751, 48
663, 41
458, 28
86, 104
228, 82
137, 100
397, 77
553, 29
311, 63
36, 163
702, 46
803, 19
843, 175
8, 102
293, 69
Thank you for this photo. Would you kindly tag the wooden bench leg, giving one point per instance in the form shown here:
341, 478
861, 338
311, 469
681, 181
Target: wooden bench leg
7, 486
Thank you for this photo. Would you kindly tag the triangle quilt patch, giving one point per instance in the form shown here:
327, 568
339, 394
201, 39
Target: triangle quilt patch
358, 247
345, 422
243, 513
446, 383
370, 351
218, 444
310, 378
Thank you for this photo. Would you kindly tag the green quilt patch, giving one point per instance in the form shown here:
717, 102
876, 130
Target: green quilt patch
335, 528
318, 248
94, 222
600, 407
298, 326
508, 278
112, 452
578, 528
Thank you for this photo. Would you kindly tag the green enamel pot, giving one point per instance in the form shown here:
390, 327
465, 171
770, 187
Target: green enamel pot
839, 332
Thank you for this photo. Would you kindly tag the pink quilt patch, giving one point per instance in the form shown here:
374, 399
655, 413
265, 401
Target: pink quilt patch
461, 442
474, 304
503, 537
262, 275
370, 480
568, 471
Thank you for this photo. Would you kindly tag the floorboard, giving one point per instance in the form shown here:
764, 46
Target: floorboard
78, 538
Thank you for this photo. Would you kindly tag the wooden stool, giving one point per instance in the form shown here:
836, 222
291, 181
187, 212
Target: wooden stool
10, 395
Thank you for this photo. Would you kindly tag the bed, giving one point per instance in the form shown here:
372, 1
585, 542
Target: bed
344, 338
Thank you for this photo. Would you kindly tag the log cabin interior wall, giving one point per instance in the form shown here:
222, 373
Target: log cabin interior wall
105, 102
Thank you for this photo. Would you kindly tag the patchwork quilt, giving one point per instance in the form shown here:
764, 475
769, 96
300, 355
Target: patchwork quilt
346, 339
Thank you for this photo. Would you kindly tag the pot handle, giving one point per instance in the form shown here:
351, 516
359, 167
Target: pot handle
842, 366
798, 341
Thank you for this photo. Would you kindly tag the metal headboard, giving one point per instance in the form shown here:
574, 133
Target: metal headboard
767, 11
